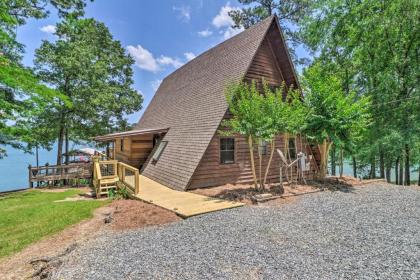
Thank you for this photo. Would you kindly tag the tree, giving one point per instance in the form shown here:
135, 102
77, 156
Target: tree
376, 44
289, 13
20, 90
334, 116
246, 105
285, 116
94, 72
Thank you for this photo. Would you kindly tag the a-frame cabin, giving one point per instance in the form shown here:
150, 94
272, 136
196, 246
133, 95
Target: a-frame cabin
176, 142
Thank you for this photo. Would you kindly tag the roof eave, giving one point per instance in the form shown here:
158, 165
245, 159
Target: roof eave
113, 136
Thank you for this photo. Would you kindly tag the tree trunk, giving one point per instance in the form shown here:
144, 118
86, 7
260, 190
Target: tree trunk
354, 167
37, 160
60, 145
381, 164
323, 166
67, 146
333, 164
407, 165
37, 155
251, 153
373, 168
401, 179
397, 162
260, 170
272, 144
418, 180
341, 162
286, 146
388, 173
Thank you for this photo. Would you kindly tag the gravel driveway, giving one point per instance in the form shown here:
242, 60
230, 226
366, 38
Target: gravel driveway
368, 233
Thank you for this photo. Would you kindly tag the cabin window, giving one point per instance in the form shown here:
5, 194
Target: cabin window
158, 152
122, 144
263, 147
292, 148
227, 150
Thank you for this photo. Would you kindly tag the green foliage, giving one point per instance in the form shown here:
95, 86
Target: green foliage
334, 116
94, 72
22, 95
28, 216
122, 193
260, 113
373, 47
289, 13
247, 107
119, 193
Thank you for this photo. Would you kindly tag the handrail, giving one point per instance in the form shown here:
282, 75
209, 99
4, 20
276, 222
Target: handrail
63, 166
98, 174
120, 168
59, 172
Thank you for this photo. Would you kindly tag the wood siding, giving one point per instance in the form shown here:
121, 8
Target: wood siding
264, 65
211, 172
136, 149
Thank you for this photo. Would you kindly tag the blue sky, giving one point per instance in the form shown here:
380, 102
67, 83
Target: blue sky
160, 35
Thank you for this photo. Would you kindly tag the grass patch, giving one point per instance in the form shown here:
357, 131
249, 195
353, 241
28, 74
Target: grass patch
28, 216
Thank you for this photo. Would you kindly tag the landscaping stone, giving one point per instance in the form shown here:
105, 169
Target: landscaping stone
370, 232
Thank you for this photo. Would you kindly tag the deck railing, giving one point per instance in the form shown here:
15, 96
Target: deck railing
129, 176
112, 174
50, 173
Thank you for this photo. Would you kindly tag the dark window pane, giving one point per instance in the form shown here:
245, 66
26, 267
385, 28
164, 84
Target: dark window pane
292, 148
227, 150
263, 147
222, 144
227, 156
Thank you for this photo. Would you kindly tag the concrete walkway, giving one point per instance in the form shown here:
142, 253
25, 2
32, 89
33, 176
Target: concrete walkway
184, 204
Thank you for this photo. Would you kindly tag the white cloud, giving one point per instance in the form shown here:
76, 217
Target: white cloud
205, 33
143, 58
184, 12
189, 56
222, 19
155, 84
166, 60
230, 32
48, 29
224, 22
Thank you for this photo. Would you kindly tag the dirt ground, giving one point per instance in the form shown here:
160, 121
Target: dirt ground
245, 193
34, 261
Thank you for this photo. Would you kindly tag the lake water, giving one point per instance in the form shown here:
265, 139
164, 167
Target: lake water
14, 168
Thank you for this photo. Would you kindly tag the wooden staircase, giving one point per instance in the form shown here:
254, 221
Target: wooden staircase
110, 175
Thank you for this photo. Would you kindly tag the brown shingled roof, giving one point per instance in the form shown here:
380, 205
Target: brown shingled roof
192, 103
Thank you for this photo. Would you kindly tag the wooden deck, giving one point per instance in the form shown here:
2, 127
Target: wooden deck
185, 204
51, 173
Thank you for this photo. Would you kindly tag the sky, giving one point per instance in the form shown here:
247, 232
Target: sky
160, 35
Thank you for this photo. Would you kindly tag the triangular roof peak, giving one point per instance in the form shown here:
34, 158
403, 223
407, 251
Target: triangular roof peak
192, 103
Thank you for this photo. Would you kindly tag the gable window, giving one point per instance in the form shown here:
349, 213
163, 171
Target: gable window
262, 147
158, 152
227, 150
292, 148
122, 144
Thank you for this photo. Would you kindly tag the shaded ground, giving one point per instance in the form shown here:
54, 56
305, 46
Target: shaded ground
369, 233
246, 193
41, 257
